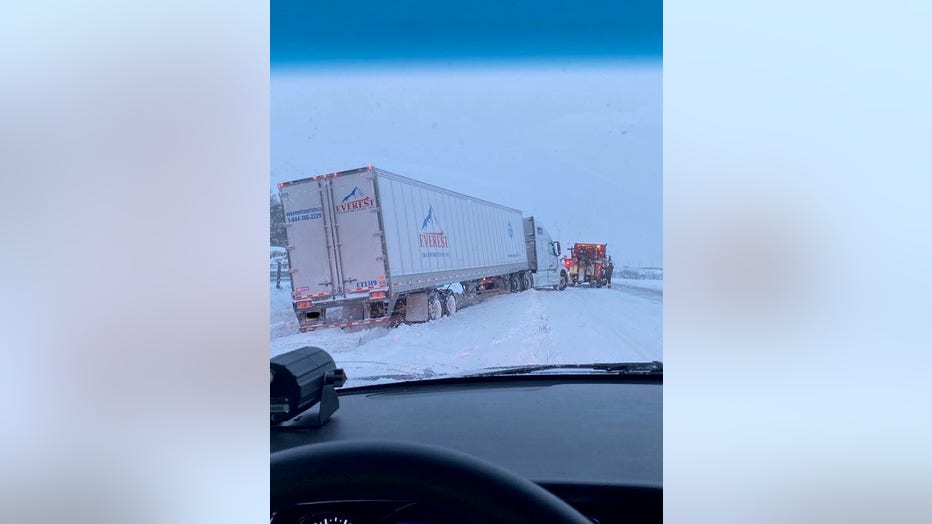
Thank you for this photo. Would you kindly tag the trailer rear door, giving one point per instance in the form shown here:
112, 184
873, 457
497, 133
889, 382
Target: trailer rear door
354, 212
309, 239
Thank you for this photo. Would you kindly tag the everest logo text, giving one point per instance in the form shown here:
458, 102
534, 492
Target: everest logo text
432, 235
355, 201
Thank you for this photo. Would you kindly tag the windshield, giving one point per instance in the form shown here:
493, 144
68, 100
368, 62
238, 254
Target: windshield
440, 209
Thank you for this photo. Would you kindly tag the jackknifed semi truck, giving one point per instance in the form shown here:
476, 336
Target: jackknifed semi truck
366, 246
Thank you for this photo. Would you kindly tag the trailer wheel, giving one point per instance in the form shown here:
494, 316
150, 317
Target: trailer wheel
434, 308
513, 285
449, 304
527, 281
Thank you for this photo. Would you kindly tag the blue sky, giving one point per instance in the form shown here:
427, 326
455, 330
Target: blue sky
544, 107
316, 32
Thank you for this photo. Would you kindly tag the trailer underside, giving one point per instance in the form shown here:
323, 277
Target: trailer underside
412, 306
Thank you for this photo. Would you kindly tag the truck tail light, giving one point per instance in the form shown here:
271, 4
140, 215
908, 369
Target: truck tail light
377, 294
304, 304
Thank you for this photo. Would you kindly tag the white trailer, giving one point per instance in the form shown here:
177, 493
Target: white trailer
366, 246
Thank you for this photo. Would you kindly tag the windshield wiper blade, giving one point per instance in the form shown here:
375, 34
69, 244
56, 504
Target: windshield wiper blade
633, 368
618, 368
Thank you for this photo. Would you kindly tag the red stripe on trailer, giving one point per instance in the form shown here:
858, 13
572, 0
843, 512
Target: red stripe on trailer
313, 295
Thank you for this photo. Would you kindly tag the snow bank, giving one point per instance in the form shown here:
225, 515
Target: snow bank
653, 285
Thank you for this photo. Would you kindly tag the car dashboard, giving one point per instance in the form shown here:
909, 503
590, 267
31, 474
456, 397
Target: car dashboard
594, 441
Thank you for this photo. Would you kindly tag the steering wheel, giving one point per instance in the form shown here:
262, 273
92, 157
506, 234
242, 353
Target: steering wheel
360, 470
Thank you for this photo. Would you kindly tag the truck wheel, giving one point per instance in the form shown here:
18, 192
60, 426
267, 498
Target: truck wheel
449, 304
563, 282
434, 308
527, 281
513, 285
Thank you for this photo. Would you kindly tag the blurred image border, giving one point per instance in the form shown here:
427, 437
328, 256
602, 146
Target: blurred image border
796, 242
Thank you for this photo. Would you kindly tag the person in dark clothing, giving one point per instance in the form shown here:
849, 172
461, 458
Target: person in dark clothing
608, 272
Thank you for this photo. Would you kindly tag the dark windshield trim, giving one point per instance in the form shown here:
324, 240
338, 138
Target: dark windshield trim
497, 380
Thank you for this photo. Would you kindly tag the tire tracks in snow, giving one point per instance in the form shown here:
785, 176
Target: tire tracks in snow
578, 325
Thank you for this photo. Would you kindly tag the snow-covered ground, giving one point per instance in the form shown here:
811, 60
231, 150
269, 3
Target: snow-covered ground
579, 325
276, 255
653, 285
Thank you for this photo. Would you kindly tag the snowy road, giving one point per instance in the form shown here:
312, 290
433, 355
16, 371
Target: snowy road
579, 325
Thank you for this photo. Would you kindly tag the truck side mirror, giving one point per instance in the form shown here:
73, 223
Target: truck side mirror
555, 247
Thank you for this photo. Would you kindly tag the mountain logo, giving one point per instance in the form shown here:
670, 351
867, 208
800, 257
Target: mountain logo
356, 191
429, 219
432, 235
355, 200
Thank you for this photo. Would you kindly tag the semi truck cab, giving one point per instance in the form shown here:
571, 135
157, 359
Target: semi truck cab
543, 255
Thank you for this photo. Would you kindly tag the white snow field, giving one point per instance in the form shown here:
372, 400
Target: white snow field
653, 285
578, 325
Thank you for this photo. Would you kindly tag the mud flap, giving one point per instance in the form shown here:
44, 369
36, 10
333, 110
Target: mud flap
416, 307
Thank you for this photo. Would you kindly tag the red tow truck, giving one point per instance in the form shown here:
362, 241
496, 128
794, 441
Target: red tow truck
585, 264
